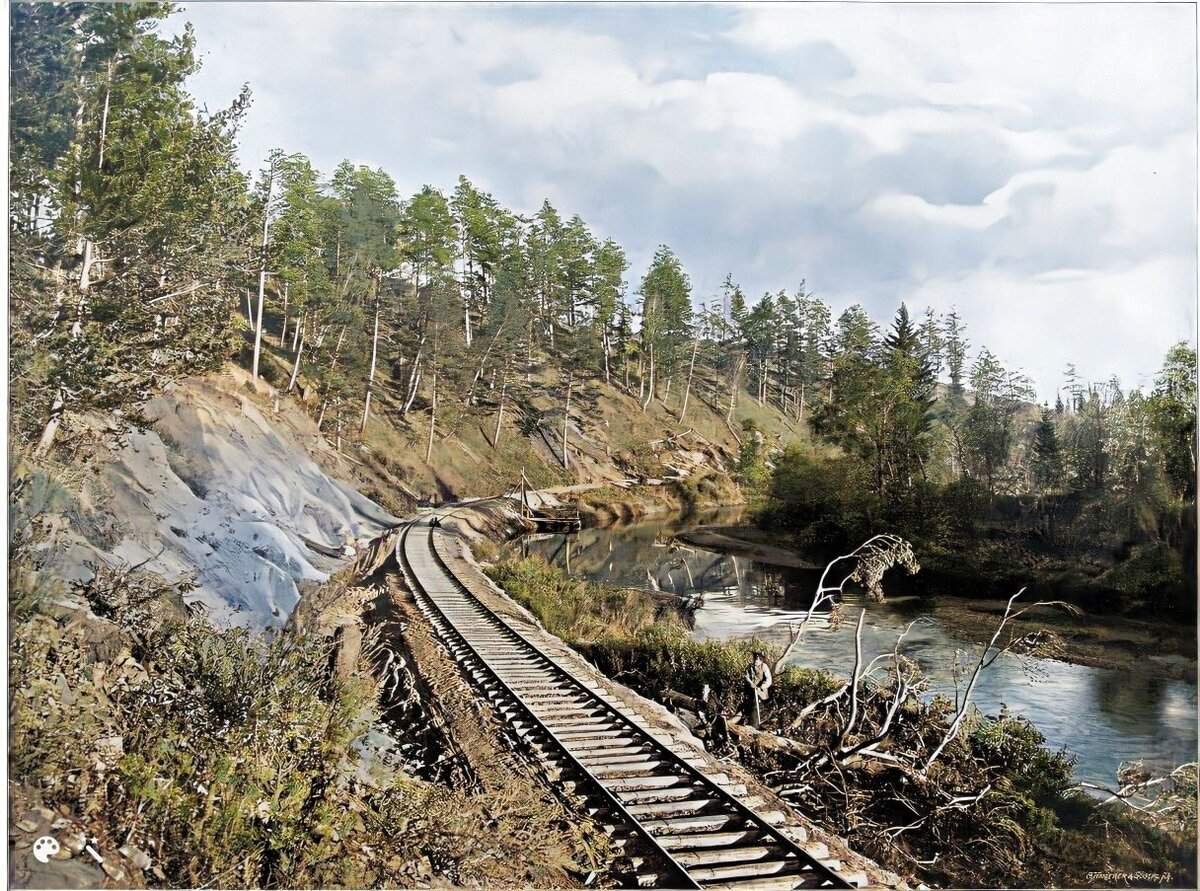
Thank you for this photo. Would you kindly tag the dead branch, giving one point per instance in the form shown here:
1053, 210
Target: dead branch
1168, 799
989, 655
870, 560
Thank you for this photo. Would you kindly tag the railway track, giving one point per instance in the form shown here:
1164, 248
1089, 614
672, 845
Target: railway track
695, 833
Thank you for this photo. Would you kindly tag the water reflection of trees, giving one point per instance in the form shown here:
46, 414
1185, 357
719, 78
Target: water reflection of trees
1130, 700
649, 557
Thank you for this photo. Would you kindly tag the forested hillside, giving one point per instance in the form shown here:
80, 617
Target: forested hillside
450, 342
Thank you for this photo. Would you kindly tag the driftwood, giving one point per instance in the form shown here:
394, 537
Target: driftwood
675, 698
745, 735
327, 550
670, 439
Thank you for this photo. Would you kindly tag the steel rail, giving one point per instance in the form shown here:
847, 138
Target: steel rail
686, 880
813, 869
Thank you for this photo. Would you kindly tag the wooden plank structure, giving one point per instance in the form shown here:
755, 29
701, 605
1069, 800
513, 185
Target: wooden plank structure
692, 828
548, 519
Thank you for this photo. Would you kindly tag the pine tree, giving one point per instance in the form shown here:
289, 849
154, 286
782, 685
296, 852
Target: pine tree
1173, 418
429, 237
759, 333
578, 252
476, 219
956, 346
815, 365
148, 215
545, 247
608, 293
737, 305
666, 317
988, 427
1047, 456
910, 395
933, 342
46, 68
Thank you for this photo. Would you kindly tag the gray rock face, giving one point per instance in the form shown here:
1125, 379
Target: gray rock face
222, 494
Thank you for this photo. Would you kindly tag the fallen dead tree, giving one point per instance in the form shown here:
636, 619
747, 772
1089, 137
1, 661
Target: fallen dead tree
927, 785
1167, 799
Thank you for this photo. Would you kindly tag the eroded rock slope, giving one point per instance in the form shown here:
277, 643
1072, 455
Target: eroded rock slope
222, 490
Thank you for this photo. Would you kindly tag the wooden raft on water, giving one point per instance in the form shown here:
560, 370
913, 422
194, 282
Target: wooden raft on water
549, 519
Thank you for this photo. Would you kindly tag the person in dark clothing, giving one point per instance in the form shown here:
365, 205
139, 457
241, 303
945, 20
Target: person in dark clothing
758, 683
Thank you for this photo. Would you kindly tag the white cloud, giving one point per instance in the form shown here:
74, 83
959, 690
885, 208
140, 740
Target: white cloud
1115, 322
904, 208
1137, 201
954, 153
1138, 58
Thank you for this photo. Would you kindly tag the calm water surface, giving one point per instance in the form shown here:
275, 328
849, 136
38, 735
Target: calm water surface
1101, 716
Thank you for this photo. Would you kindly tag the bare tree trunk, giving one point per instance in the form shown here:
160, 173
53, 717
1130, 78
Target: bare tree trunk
433, 403
883, 549
733, 390
566, 421
855, 676
650, 385
467, 320
605, 345
529, 353
262, 270
337, 349
262, 273
258, 324
688, 389
371, 373
983, 662
51, 429
85, 271
283, 331
470, 400
414, 378
500, 413
320, 338
296, 366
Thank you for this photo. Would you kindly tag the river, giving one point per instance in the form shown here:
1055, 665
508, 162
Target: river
1099, 715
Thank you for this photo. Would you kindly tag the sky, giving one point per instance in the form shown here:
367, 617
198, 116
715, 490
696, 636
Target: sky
1033, 165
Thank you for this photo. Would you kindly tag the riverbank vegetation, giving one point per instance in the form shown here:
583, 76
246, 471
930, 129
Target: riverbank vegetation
1093, 499
975, 802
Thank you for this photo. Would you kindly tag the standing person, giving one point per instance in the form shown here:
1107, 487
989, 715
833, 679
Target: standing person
758, 682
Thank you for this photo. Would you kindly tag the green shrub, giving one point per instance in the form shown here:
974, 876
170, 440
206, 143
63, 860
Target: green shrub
221, 743
577, 610
634, 637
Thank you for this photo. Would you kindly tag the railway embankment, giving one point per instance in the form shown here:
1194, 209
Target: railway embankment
492, 520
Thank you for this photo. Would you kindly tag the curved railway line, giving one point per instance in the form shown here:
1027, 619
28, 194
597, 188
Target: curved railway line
693, 830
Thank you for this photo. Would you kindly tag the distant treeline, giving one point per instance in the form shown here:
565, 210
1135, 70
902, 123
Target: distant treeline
141, 254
